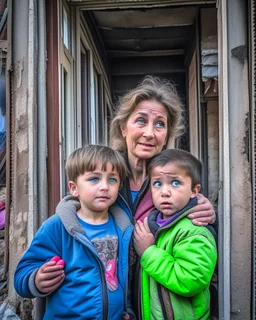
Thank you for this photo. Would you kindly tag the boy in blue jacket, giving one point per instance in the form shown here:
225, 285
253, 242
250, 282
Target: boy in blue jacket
177, 258
79, 262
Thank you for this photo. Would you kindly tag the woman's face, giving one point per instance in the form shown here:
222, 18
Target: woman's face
146, 130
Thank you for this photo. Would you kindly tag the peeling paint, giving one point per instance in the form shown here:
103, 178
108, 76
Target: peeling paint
21, 104
23, 183
22, 122
19, 67
18, 238
20, 223
22, 141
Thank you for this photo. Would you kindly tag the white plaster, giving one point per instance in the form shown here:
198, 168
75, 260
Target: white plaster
22, 141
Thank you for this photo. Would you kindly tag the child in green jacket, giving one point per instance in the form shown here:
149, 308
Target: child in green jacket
177, 258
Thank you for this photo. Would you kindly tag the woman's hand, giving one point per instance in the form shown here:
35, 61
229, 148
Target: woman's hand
142, 237
202, 214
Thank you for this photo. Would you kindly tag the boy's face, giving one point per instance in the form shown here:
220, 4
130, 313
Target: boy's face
97, 190
171, 189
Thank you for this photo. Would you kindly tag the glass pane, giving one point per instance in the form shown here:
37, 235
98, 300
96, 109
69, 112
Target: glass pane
65, 28
85, 96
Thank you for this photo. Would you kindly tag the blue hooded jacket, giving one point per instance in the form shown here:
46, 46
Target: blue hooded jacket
83, 294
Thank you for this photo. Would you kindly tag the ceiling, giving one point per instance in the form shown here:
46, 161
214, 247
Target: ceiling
134, 42
145, 32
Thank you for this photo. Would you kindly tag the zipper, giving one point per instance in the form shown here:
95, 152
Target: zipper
127, 276
160, 296
102, 275
104, 287
137, 294
126, 290
128, 207
127, 271
137, 267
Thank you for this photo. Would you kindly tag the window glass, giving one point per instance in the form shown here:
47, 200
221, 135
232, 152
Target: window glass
85, 96
65, 27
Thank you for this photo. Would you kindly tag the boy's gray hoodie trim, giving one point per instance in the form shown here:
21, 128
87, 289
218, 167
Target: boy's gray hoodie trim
65, 210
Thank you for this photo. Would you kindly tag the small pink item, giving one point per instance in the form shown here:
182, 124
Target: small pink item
61, 263
56, 258
2, 215
2, 205
112, 281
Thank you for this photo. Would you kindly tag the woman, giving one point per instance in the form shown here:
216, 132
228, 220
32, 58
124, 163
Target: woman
148, 118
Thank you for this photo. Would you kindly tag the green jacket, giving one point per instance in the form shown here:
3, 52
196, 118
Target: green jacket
177, 270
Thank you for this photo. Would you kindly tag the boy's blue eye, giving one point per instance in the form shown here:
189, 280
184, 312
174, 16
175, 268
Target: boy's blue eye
157, 184
112, 180
175, 183
95, 179
160, 124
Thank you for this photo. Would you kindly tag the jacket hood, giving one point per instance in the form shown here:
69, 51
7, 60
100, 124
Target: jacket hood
178, 215
71, 223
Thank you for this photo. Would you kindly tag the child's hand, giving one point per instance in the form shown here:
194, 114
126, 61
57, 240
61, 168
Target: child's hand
50, 276
130, 315
126, 316
142, 236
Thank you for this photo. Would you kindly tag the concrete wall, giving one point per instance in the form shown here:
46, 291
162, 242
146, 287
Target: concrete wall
241, 194
235, 207
19, 205
23, 205
213, 151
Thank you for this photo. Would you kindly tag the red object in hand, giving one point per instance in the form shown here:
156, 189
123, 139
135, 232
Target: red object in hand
61, 263
56, 258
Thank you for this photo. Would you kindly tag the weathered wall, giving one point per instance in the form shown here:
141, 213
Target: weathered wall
19, 124
240, 172
235, 194
28, 135
22, 218
241, 199
213, 151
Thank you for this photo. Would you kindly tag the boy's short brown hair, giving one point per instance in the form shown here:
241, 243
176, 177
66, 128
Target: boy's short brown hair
181, 159
86, 159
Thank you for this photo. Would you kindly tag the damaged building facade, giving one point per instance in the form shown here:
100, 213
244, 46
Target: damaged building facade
66, 64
